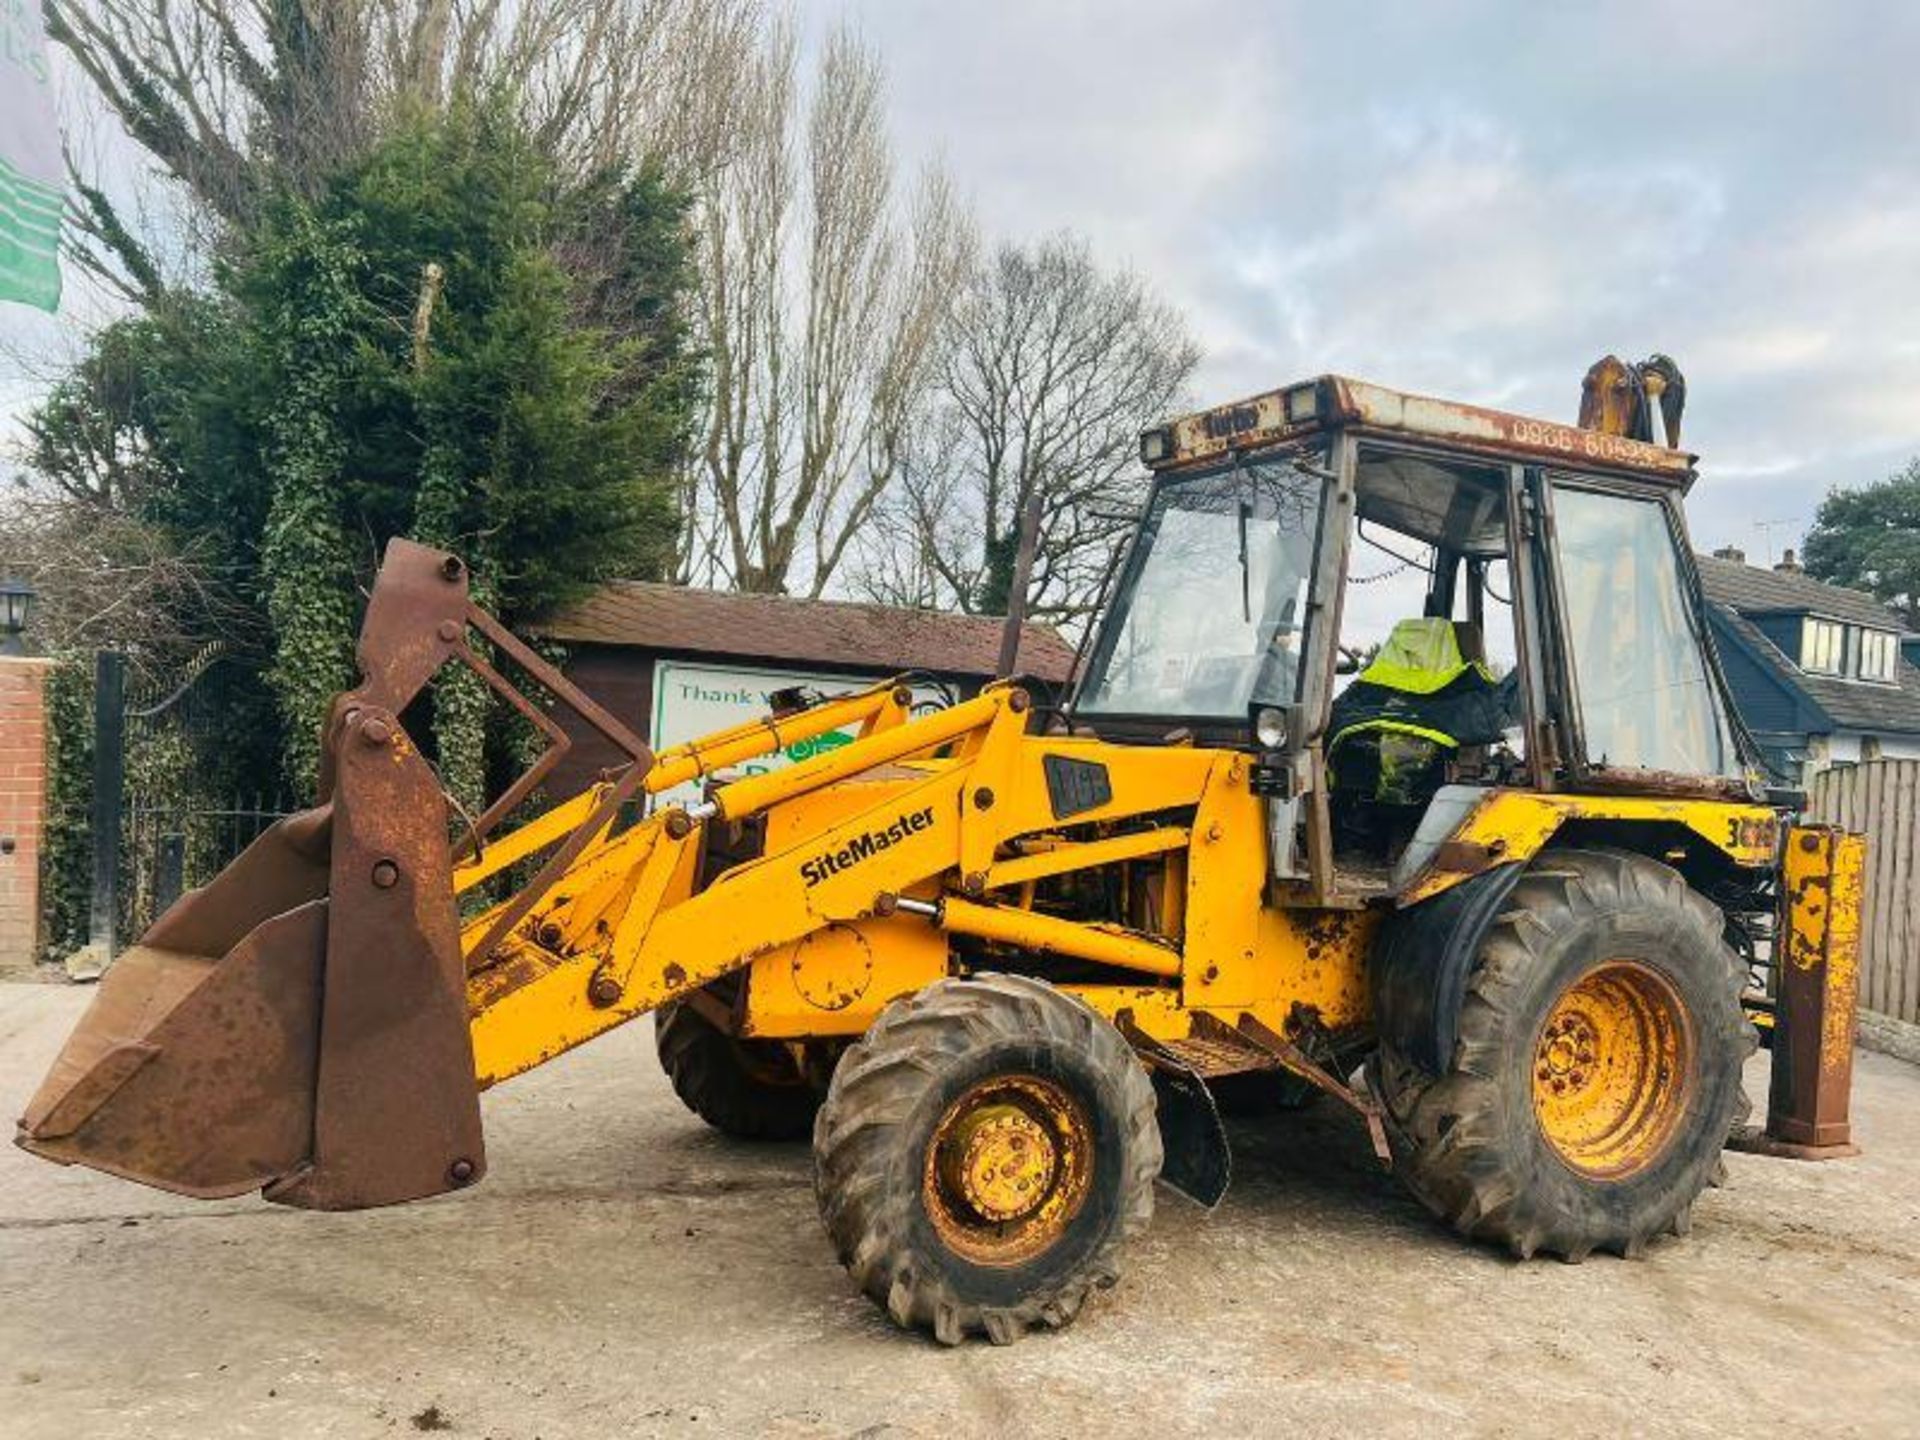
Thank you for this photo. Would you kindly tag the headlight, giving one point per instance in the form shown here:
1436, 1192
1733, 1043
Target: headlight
1270, 727
1156, 446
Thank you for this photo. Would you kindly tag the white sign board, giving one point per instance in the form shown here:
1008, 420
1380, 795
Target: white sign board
691, 700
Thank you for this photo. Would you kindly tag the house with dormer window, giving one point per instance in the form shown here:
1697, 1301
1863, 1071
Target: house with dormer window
1823, 675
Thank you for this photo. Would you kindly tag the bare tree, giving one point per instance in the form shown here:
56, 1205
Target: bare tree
1051, 369
106, 578
820, 307
225, 93
823, 289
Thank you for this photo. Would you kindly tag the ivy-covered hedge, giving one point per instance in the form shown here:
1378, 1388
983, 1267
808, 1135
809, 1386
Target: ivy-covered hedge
66, 853
455, 338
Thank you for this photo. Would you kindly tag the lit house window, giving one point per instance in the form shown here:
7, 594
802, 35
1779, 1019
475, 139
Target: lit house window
1823, 647
1878, 652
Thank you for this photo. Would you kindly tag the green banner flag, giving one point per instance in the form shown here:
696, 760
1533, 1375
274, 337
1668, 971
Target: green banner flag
30, 171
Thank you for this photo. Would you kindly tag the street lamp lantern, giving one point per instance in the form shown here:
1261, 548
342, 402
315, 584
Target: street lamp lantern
16, 608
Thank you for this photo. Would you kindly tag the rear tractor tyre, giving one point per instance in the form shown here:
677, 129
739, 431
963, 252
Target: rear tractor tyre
982, 1155
1596, 1074
749, 1089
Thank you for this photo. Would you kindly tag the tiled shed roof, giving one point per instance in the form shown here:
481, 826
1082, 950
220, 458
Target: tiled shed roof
683, 620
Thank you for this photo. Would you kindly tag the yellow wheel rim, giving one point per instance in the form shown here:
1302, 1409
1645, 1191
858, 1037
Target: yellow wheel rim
1610, 1070
1007, 1169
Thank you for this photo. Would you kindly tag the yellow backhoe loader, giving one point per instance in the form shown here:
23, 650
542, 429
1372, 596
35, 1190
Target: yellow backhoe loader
1492, 882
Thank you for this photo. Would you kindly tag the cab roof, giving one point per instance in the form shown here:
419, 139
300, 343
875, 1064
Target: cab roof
1335, 402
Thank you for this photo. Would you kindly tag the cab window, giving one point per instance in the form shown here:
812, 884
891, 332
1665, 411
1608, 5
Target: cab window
1645, 697
1210, 611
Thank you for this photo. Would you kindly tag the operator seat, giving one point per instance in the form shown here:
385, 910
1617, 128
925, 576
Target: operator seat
1423, 701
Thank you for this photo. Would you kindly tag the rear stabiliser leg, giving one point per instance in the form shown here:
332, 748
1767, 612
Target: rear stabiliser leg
1816, 969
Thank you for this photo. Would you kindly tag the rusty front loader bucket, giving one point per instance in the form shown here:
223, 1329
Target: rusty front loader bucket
299, 1025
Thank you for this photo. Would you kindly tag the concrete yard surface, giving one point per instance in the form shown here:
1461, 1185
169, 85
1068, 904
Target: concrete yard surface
625, 1272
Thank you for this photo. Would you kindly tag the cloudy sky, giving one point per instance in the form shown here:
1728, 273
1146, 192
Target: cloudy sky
1471, 199
1479, 199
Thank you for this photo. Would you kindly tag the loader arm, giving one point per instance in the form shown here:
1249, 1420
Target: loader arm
622, 931
625, 931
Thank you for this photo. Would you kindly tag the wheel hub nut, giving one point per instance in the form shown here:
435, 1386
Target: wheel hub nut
1567, 1049
1003, 1164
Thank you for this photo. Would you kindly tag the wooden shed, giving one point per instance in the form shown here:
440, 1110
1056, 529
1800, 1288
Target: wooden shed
675, 662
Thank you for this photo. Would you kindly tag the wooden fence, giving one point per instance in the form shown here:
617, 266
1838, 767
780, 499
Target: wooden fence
1881, 799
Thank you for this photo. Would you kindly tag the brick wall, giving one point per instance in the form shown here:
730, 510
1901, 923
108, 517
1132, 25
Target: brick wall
23, 797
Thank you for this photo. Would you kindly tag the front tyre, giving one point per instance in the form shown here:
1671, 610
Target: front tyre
982, 1154
1597, 1072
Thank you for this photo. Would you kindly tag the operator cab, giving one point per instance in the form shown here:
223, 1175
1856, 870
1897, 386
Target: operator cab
1399, 603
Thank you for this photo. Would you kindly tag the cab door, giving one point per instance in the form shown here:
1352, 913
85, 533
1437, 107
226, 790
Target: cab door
1643, 704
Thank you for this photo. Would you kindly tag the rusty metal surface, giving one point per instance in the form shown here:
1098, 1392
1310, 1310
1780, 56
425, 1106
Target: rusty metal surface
321, 1052
1669, 782
1468, 857
286, 867
1622, 399
180, 1044
1497, 432
1607, 398
396, 1114
1374, 409
419, 618
1292, 1058
1818, 978
414, 618
1213, 1055
193, 1073
300, 1023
